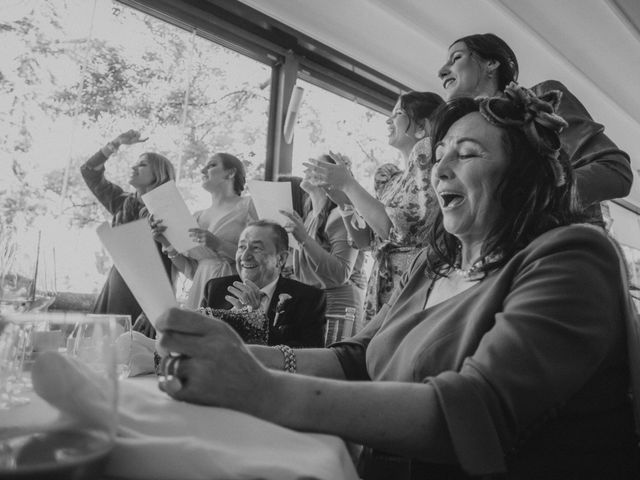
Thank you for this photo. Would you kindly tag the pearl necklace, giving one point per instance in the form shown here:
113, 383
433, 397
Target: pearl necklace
471, 273
474, 272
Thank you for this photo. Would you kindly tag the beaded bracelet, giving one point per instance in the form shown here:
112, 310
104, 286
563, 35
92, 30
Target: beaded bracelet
289, 358
170, 252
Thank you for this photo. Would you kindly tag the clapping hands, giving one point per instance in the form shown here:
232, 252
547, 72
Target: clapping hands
243, 295
333, 176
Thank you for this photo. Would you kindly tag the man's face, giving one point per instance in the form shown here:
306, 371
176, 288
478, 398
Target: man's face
257, 258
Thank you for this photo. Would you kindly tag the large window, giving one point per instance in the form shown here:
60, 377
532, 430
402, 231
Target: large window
327, 122
76, 73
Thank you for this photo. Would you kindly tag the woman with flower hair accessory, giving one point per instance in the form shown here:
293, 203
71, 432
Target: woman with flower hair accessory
484, 64
509, 351
392, 224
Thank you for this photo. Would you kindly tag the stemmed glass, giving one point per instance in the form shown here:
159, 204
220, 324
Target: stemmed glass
66, 427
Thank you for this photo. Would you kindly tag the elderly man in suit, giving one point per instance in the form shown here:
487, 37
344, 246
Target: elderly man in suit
295, 311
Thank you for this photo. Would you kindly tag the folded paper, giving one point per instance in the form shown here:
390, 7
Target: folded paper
136, 257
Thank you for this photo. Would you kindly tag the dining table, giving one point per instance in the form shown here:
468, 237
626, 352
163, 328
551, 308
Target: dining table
161, 438
156, 436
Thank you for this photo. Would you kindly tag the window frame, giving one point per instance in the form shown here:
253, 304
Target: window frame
291, 55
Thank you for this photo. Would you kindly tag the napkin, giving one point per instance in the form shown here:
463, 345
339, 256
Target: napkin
160, 438
141, 348
74, 389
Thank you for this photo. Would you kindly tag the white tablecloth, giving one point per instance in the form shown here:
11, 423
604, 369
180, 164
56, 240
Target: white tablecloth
160, 438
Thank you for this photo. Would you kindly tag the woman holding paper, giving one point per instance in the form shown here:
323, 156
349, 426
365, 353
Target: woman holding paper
324, 258
151, 170
219, 226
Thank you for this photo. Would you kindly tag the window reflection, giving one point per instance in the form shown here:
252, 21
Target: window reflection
76, 74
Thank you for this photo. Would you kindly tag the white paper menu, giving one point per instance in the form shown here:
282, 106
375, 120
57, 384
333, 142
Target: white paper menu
269, 198
166, 203
135, 255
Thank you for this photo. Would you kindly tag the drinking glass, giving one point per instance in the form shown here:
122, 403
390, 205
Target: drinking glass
82, 337
66, 427
339, 327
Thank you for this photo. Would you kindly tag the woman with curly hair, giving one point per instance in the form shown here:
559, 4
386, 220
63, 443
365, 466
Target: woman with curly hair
506, 352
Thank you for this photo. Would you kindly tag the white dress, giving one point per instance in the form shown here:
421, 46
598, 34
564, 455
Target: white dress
207, 264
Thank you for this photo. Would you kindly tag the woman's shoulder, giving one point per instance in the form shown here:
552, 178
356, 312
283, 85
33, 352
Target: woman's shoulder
548, 85
579, 236
245, 201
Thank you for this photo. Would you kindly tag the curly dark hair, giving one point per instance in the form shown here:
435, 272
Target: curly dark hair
532, 198
489, 46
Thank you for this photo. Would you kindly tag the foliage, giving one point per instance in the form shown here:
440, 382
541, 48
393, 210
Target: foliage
74, 74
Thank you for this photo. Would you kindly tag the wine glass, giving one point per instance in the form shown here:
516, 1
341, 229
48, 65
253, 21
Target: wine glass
67, 426
82, 340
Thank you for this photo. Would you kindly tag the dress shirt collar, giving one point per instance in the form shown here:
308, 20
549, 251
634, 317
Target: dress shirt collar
269, 290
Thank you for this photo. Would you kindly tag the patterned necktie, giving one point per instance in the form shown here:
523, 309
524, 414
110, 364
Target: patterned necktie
264, 302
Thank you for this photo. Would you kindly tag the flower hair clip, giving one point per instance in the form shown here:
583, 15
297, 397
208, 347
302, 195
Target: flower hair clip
519, 107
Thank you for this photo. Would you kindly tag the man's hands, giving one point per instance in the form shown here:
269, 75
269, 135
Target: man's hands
245, 294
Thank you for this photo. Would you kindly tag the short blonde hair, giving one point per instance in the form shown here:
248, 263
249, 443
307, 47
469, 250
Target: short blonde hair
161, 167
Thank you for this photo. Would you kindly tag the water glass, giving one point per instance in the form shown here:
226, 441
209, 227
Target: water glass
339, 327
64, 420
82, 341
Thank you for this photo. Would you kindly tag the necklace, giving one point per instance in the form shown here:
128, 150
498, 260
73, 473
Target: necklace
471, 273
474, 272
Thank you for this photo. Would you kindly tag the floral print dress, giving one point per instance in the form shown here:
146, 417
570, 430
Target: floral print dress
408, 200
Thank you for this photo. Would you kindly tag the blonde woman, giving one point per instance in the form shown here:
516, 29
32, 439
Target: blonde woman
151, 170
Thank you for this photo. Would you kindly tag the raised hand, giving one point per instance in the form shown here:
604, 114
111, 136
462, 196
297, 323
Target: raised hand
325, 174
129, 138
295, 225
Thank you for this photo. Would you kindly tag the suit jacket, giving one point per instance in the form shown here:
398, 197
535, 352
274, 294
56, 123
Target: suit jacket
602, 171
302, 322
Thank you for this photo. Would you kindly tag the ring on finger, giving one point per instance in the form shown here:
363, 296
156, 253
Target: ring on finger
169, 366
